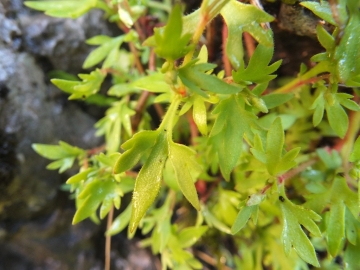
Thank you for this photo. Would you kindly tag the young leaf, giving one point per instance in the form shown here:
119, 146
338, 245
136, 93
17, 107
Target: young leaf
243, 217
170, 43
148, 181
241, 18
63, 154
200, 114
100, 53
116, 116
95, 193
293, 235
89, 85
355, 154
135, 148
259, 61
183, 161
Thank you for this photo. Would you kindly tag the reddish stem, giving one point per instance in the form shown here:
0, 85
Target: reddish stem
225, 59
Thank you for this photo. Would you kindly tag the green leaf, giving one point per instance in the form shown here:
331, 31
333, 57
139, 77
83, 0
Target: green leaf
170, 43
337, 198
135, 148
117, 116
241, 18
154, 83
77, 178
194, 77
89, 85
332, 160
200, 114
355, 154
337, 117
148, 181
321, 10
63, 9
95, 193
274, 146
184, 163
243, 217
188, 236
120, 222
275, 100
259, 61
100, 53
231, 124
293, 235
63, 154
326, 40
347, 52
212, 221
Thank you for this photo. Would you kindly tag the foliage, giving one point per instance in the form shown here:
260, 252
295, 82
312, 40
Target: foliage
257, 174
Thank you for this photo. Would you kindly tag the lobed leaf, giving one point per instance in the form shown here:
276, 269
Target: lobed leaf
241, 18
184, 163
259, 61
293, 235
231, 124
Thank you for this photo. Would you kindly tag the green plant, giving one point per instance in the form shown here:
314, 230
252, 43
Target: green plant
257, 157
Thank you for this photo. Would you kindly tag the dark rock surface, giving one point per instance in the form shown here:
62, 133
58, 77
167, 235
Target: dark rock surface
35, 215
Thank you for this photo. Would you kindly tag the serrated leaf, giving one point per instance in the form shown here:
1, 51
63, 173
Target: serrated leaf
183, 161
241, 18
148, 181
63, 9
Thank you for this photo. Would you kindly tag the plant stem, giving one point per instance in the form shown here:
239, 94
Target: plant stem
308, 77
108, 239
197, 35
168, 121
226, 62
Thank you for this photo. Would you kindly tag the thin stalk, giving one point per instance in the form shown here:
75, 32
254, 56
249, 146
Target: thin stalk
305, 78
168, 121
108, 239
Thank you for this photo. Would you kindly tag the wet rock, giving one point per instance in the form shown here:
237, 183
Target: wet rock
62, 41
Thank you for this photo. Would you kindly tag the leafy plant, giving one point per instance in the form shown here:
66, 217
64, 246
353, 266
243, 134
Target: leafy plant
256, 173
